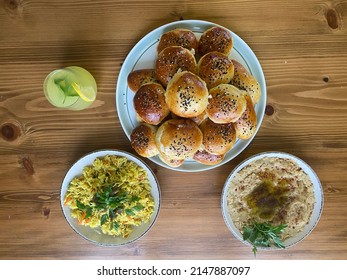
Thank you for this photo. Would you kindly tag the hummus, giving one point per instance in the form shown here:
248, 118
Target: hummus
273, 190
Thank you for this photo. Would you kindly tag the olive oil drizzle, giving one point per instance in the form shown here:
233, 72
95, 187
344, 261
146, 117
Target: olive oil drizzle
267, 198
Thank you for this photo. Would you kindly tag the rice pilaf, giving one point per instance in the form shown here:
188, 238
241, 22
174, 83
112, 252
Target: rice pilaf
113, 194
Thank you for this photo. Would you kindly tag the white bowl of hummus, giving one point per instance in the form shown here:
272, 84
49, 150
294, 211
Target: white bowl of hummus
276, 189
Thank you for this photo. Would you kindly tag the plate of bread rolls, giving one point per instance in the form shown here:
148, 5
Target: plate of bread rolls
190, 95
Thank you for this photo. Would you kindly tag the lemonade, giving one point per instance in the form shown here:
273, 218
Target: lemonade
72, 88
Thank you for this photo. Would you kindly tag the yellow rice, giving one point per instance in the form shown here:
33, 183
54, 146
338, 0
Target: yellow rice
123, 175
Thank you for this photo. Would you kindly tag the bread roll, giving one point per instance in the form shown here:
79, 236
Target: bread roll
178, 138
137, 78
186, 95
215, 68
149, 103
178, 37
244, 80
226, 104
207, 158
218, 139
142, 140
216, 39
171, 162
246, 125
172, 59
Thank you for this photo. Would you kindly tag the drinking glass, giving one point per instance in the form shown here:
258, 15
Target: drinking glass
72, 88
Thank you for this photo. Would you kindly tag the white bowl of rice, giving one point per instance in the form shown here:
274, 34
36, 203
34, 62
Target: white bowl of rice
273, 189
110, 197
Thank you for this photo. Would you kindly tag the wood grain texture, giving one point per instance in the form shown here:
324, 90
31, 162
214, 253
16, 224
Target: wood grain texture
301, 46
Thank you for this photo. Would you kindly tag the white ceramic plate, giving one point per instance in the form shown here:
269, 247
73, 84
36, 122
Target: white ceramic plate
318, 194
95, 235
144, 55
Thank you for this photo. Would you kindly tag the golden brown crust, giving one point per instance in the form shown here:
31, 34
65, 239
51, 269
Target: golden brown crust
244, 80
216, 39
170, 162
186, 95
218, 139
226, 104
215, 68
172, 59
178, 37
246, 125
178, 138
207, 158
142, 140
149, 103
137, 78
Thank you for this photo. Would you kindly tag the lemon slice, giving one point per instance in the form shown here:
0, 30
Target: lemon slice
86, 93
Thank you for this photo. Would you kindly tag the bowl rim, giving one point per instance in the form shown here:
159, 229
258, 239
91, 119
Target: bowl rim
129, 156
280, 154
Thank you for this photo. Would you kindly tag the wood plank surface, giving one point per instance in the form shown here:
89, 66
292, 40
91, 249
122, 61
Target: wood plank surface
302, 47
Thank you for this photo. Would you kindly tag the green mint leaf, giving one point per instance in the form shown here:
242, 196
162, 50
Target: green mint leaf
89, 212
134, 198
263, 235
253, 236
279, 228
80, 205
138, 207
103, 219
116, 226
247, 231
129, 212
111, 213
278, 242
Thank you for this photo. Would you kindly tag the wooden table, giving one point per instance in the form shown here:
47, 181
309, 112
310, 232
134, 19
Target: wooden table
302, 47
